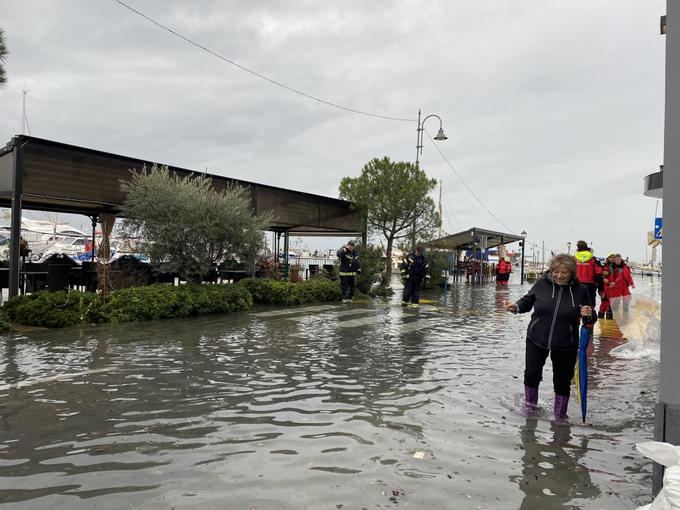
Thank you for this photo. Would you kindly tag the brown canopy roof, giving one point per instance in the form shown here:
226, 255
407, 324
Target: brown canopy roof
65, 178
466, 239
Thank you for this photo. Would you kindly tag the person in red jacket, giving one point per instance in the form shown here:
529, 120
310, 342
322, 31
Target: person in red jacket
611, 289
588, 270
623, 281
503, 270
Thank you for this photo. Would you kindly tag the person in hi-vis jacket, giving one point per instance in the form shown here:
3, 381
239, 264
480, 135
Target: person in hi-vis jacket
349, 267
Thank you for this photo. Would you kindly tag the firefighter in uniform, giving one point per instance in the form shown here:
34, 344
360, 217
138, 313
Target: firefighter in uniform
349, 267
413, 269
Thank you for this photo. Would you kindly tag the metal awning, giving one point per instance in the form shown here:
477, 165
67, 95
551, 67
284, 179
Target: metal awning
473, 239
53, 176
45, 175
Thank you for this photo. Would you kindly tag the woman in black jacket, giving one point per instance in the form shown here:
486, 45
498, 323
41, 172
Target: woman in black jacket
559, 302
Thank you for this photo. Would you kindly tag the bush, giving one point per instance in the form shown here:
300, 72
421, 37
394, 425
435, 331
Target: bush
294, 273
55, 309
372, 267
166, 301
162, 301
438, 261
272, 292
5, 326
59, 309
380, 290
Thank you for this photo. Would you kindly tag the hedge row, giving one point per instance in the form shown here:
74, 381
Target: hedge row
162, 301
281, 292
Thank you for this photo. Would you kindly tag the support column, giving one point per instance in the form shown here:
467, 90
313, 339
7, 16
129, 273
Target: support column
286, 240
15, 242
667, 425
104, 253
93, 218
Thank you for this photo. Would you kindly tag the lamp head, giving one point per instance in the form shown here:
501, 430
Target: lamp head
524, 234
440, 135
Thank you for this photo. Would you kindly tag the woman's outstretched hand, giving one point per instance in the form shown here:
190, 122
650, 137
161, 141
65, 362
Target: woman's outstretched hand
510, 306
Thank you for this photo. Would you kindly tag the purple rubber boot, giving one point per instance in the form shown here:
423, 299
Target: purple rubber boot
530, 402
561, 404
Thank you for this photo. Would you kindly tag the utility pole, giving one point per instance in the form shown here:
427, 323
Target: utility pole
542, 255
441, 221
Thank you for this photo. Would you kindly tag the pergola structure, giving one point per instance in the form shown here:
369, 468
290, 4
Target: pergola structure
474, 239
477, 240
45, 175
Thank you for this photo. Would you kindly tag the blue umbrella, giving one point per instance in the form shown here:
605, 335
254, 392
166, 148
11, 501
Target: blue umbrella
581, 372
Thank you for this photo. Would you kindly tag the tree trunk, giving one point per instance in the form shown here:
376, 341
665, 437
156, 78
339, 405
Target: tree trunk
388, 267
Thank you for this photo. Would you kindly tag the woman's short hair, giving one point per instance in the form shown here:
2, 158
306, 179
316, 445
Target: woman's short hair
563, 260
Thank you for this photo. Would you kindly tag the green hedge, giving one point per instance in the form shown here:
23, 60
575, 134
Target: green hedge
275, 292
55, 309
162, 301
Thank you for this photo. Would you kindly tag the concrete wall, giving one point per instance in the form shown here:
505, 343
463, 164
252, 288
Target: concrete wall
668, 407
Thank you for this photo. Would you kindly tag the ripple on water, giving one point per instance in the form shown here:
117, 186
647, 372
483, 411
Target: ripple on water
289, 409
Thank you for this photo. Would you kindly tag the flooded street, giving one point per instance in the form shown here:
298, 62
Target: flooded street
333, 406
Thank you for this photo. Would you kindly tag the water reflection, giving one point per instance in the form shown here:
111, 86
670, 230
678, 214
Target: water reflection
551, 474
311, 402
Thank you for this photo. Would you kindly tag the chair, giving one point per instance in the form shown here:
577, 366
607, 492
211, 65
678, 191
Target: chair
88, 276
58, 277
35, 276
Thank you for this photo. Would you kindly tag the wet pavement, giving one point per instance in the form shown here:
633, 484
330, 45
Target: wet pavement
356, 406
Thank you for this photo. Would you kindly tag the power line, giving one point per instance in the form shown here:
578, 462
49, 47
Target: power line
466, 185
11, 113
259, 75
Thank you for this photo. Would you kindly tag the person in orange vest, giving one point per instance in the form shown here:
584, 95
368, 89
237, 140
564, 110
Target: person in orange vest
588, 270
503, 270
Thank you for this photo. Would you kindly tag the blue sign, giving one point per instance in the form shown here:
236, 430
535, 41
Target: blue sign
658, 228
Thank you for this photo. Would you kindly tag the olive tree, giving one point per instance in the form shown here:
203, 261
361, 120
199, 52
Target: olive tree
393, 196
186, 226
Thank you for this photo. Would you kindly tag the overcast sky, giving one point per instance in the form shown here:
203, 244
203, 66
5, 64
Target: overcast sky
554, 110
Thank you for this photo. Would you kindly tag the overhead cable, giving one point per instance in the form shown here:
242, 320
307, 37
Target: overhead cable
468, 187
259, 75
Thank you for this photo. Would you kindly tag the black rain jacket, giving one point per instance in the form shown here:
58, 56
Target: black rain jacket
349, 262
414, 266
557, 313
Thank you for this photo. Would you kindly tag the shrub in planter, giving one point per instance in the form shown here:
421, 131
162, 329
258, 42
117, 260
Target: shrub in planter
294, 273
321, 289
273, 292
59, 309
166, 301
55, 309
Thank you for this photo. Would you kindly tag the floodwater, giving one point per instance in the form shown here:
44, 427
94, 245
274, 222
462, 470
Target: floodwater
357, 406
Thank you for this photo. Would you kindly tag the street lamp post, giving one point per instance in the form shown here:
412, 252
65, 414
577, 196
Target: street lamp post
419, 143
524, 240
568, 247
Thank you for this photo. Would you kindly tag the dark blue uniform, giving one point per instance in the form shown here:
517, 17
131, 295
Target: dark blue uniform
413, 269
